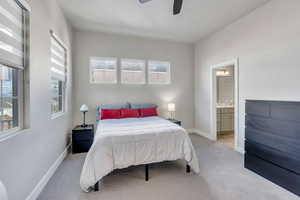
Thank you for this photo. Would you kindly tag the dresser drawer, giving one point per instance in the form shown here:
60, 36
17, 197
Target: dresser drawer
82, 146
282, 177
272, 155
83, 135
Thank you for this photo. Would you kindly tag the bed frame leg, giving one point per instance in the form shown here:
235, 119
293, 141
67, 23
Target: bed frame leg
146, 172
96, 187
188, 168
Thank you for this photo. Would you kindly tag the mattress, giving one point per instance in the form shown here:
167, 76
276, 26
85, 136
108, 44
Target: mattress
120, 143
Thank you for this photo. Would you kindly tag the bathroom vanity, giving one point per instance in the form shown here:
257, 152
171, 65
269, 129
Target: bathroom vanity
225, 119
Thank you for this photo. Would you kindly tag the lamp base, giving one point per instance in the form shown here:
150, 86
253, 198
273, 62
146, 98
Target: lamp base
84, 125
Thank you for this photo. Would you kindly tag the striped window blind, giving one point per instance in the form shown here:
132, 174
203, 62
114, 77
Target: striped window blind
103, 70
159, 72
133, 71
11, 34
58, 59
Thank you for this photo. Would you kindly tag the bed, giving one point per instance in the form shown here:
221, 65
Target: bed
120, 143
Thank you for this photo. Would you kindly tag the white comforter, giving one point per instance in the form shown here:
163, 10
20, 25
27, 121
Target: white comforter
125, 142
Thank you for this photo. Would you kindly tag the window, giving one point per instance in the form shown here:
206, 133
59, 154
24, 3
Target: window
9, 100
58, 75
133, 71
159, 72
103, 70
13, 26
57, 96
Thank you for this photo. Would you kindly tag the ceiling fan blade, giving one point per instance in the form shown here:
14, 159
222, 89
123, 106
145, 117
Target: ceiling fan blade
144, 1
177, 6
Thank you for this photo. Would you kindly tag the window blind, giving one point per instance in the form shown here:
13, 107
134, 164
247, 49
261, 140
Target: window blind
58, 59
103, 70
133, 71
11, 34
159, 72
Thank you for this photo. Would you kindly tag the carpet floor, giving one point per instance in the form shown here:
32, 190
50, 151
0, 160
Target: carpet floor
222, 177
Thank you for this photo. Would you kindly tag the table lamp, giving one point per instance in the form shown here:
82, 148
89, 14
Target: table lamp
171, 109
84, 108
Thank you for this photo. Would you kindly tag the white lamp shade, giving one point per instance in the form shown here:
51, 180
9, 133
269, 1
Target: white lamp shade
171, 107
84, 108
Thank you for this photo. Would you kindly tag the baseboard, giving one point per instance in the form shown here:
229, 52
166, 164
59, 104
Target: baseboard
240, 150
201, 133
43, 182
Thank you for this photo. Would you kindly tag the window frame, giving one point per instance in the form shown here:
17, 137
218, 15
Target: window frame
55, 115
23, 76
144, 71
63, 97
19, 97
91, 70
169, 72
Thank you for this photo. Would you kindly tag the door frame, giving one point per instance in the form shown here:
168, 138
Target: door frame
213, 91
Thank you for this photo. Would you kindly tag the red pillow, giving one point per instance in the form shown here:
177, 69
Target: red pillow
126, 112
146, 112
110, 113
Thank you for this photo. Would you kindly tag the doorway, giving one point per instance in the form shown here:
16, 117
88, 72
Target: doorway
224, 103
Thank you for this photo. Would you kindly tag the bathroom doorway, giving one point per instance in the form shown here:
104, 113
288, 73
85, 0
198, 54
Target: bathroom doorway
224, 109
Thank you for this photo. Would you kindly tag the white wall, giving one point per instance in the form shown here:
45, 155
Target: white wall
181, 91
267, 44
26, 157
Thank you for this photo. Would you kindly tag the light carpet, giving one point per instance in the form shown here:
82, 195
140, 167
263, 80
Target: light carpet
222, 177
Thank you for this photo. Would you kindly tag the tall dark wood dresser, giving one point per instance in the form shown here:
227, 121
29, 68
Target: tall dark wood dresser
272, 142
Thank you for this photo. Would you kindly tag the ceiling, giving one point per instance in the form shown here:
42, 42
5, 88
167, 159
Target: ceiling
154, 19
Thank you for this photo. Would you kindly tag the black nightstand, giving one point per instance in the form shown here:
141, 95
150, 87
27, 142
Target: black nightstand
82, 138
175, 121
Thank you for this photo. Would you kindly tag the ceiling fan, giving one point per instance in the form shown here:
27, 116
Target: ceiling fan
176, 6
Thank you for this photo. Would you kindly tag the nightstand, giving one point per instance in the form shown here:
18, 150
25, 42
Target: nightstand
175, 121
82, 138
